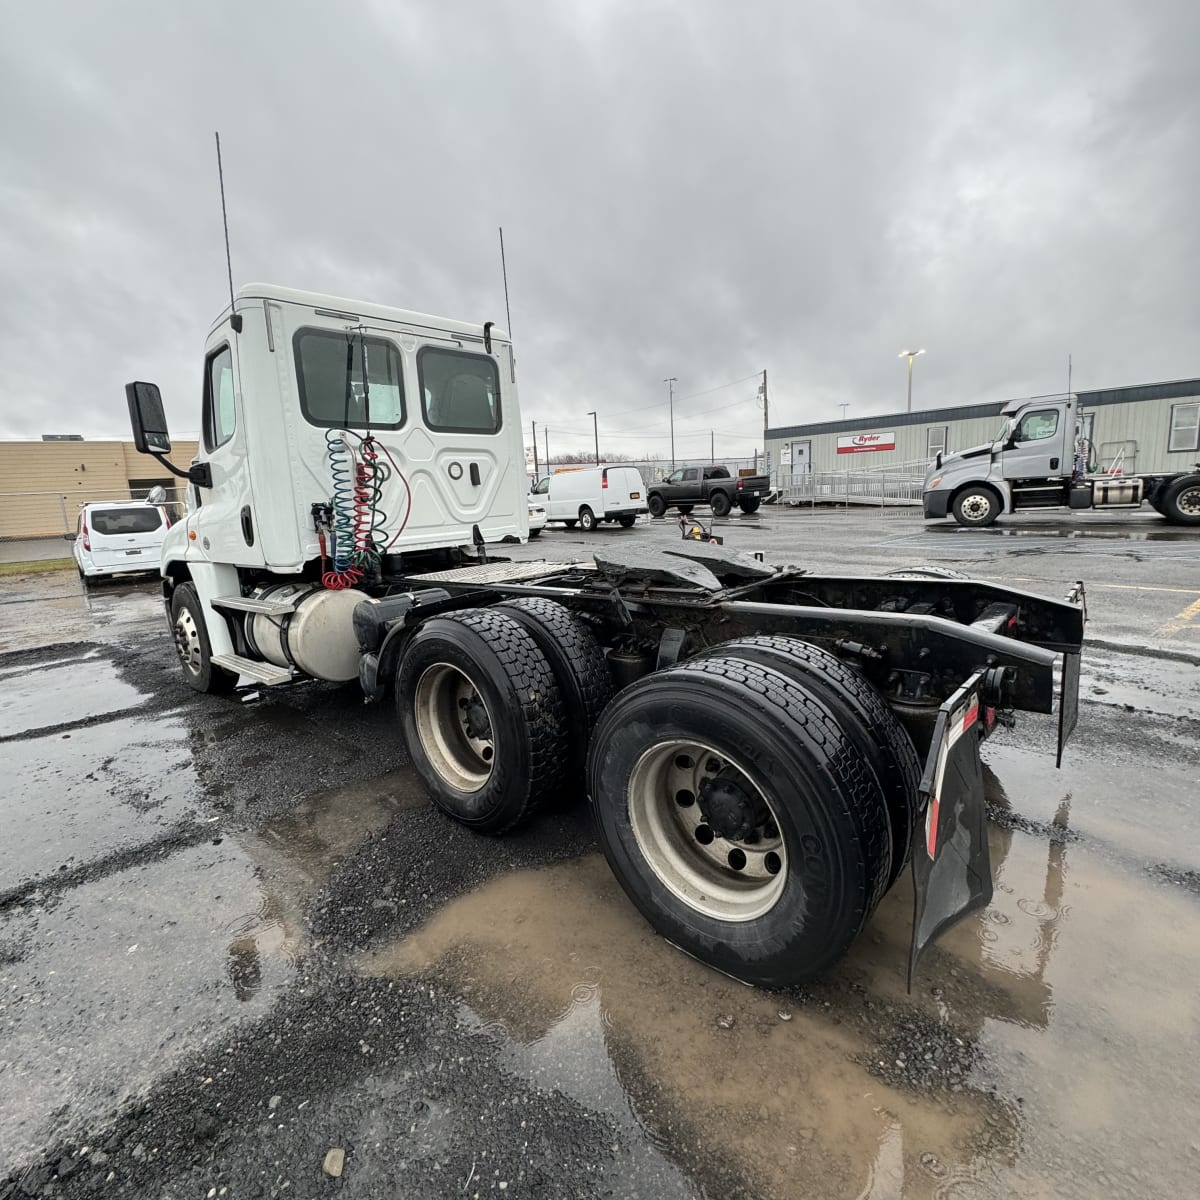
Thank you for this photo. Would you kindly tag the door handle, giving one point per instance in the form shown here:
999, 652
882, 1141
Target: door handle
247, 526
1054, 464
475, 474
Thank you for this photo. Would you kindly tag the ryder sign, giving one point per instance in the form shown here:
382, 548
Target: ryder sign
860, 443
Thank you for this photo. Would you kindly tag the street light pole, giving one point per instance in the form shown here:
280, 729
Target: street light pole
596, 435
671, 382
535, 460
546, 435
910, 355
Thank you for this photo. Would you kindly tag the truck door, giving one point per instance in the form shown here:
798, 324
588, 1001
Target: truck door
473, 472
689, 490
223, 523
1037, 448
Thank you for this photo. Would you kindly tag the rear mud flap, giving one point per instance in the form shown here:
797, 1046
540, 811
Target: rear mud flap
951, 866
1068, 703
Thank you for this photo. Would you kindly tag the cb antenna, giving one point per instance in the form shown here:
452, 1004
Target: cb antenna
504, 272
235, 318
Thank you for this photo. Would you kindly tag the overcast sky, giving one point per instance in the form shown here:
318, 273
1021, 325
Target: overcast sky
697, 189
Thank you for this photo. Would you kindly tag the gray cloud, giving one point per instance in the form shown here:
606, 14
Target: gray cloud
698, 190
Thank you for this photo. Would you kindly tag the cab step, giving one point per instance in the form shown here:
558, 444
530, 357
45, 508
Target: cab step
268, 674
269, 608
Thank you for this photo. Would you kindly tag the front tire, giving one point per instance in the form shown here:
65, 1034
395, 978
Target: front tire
1181, 501
739, 819
628, 521
720, 504
482, 717
657, 505
976, 507
534, 533
192, 644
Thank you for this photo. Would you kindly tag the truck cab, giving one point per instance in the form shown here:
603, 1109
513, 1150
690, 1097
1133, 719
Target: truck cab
1041, 459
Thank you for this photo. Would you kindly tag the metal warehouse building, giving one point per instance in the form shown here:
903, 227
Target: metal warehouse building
1149, 427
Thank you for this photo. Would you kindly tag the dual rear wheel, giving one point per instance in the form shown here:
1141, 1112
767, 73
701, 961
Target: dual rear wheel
755, 802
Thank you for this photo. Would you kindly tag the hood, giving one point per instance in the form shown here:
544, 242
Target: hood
972, 452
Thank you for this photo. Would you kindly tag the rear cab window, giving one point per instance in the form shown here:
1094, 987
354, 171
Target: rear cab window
460, 392
329, 377
112, 522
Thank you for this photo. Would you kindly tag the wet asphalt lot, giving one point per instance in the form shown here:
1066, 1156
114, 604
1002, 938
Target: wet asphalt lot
234, 935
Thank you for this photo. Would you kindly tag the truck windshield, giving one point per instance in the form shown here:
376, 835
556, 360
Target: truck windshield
332, 396
460, 392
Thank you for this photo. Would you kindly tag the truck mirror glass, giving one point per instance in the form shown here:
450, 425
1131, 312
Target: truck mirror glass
147, 419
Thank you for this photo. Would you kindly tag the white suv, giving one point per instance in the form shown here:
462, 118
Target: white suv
123, 536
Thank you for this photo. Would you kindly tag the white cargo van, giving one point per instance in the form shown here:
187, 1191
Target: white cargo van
589, 495
115, 537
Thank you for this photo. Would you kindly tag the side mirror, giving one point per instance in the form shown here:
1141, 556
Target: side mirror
157, 495
149, 423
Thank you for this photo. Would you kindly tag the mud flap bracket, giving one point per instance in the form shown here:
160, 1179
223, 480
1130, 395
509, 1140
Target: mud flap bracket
951, 865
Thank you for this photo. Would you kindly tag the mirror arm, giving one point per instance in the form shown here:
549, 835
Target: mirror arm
198, 473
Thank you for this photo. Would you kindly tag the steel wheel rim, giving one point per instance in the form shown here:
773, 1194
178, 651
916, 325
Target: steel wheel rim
448, 710
976, 508
187, 642
669, 833
1188, 501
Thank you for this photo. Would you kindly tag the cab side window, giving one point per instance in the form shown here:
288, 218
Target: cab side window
691, 475
1035, 426
676, 476
542, 487
218, 415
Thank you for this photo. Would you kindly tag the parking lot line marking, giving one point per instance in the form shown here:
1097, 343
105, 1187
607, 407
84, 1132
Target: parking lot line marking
1179, 621
1122, 587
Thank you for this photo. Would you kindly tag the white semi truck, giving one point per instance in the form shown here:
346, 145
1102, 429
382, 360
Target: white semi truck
765, 749
1042, 460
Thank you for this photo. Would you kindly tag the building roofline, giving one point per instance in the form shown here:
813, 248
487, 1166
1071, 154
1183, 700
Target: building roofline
1127, 394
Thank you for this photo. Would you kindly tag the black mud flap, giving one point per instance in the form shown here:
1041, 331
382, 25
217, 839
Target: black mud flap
952, 869
1068, 702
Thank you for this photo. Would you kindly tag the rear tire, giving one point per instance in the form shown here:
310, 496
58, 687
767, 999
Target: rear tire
535, 533
587, 520
192, 644
864, 716
783, 896
720, 504
686, 509
627, 522
749, 505
580, 670
1181, 501
976, 507
657, 505
482, 718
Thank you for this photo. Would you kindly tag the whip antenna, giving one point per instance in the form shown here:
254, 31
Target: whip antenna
235, 319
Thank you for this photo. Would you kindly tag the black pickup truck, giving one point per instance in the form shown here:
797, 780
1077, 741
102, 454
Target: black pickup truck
714, 486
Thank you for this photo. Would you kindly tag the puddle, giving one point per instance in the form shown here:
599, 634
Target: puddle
295, 854
557, 963
42, 610
71, 798
59, 695
1072, 995
120, 980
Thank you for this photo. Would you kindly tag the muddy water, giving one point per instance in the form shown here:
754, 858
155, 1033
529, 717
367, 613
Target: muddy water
1072, 998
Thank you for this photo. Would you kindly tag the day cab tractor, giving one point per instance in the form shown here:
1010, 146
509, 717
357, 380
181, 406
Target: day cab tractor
764, 748
1042, 459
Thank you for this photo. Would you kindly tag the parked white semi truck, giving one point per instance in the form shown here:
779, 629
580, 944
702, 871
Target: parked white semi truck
1041, 460
764, 749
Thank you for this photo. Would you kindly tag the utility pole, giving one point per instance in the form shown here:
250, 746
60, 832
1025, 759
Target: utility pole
766, 409
535, 461
671, 399
596, 435
712, 447
546, 435
843, 407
